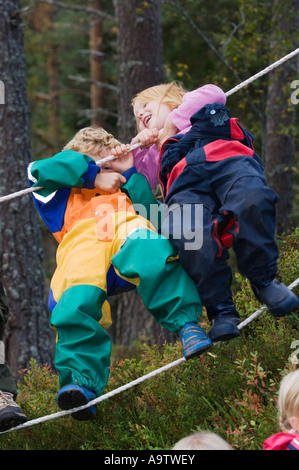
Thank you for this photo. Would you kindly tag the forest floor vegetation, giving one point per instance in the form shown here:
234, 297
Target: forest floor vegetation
231, 390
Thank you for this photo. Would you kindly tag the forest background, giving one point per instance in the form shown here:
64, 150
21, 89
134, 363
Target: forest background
81, 65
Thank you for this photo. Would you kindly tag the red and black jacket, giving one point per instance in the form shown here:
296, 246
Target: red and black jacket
214, 135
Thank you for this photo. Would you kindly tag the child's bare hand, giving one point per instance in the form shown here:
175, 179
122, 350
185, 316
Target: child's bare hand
147, 137
109, 181
124, 159
120, 151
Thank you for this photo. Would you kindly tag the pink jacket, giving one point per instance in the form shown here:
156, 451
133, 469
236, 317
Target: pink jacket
147, 160
282, 441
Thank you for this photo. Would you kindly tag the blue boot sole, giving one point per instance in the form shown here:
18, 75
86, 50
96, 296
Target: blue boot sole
68, 398
195, 352
194, 340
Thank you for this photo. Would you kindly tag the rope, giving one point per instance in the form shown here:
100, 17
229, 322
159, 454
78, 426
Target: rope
263, 72
228, 93
132, 384
181, 360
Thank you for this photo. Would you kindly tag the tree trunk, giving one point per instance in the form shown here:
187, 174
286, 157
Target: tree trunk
53, 73
139, 56
280, 125
28, 334
140, 66
96, 65
42, 20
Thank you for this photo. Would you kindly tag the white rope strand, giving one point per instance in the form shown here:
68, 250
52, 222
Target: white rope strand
263, 72
134, 382
98, 399
19, 193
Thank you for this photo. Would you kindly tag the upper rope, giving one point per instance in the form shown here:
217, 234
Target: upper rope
228, 93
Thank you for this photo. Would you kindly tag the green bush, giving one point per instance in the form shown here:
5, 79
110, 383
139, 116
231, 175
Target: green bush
230, 390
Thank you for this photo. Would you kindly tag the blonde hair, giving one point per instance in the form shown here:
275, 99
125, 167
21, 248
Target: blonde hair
288, 400
91, 138
170, 94
204, 440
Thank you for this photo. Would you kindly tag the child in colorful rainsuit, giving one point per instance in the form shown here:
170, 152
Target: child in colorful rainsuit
105, 247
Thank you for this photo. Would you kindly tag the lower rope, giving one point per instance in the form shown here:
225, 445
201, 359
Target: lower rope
134, 382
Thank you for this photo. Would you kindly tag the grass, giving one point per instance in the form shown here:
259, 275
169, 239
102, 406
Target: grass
231, 390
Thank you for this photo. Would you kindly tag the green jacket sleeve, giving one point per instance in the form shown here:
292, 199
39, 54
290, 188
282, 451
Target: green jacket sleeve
65, 169
139, 192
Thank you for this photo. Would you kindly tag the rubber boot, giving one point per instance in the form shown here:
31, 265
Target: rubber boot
194, 340
279, 299
224, 320
73, 396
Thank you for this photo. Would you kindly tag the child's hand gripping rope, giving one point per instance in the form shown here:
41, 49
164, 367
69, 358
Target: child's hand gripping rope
139, 144
143, 141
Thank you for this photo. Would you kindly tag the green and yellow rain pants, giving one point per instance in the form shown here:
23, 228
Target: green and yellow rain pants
79, 286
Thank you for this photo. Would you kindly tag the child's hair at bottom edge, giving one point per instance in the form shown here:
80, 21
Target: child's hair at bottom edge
288, 399
202, 440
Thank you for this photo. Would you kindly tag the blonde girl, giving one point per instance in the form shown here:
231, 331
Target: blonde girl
169, 107
288, 408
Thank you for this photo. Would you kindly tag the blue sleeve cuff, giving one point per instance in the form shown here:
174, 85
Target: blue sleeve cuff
128, 173
90, 175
